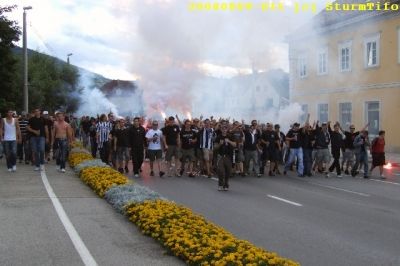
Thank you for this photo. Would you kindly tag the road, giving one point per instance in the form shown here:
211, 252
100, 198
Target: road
31, 232
314, 220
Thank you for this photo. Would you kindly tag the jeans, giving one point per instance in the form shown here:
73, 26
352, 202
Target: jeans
252, 155
105, 152
93, 147
298, 153
335, 164
62, 148
10, 151
224, 166
38, 144
361, 158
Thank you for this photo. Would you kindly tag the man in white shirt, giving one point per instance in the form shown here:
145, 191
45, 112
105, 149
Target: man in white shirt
10, 135
154, 151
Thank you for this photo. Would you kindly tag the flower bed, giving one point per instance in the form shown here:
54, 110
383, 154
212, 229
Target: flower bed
195, 240
76, 158
119, 196
89, 163
100, 179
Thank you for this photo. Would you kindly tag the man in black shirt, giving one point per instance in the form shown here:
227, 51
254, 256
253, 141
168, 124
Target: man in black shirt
294, 136
188, 143
270, 141
336, 145
322, 141
39, 137
225, 146
137, 138
251, 140
308, 140
171, 140
121, 145
349, 155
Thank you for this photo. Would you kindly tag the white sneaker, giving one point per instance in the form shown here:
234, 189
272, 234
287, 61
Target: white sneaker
383, 177
37, 168
136, 175
42, 167
62, 170
339, 176
9, 169
14, 168
58, 168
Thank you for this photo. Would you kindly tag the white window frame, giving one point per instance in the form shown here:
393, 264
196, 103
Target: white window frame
318, 114
340, 113
302, 61
366, 113
322, 51
344, 45
371, 39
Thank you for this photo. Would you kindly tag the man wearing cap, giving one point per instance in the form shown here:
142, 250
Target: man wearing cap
171, 140
10, 135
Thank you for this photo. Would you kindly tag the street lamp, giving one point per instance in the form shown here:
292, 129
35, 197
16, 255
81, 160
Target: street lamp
68, 55
25, 60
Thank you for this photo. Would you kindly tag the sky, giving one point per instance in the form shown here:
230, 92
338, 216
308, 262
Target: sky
138, 40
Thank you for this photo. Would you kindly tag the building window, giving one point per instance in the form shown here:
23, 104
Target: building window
372, 117
371, 51
345, 56
303, 116
345, 114
323, 61
302, 66
323, 112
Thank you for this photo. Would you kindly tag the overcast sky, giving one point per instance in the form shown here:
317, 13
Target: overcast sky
129, 39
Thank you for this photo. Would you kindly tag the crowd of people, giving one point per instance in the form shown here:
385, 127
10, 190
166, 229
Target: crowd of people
193, 146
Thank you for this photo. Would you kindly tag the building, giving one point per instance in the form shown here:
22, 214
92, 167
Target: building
345, 66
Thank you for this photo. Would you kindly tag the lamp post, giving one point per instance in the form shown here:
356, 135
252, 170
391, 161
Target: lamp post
25, 60
68, 55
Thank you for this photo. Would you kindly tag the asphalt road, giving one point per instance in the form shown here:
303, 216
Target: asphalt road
31, 232
314, 220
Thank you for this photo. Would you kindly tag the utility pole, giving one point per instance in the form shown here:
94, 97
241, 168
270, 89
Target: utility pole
68, 55
25, 60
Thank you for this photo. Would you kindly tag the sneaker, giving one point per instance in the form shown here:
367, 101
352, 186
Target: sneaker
209, 176
301, 175
121, 170
383, 177
151, 173
339, 176
162, 173
191, 175
346, 172
126, 169
14, 168
226, 189
271, 174
62, 170
180, 172
42, 167
37, 168
366, 177
220, 188
326, 174
136, 175
26, 162
259, 175
9, 169
58, 168
284, 172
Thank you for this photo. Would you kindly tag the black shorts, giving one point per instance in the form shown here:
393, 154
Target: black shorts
154, 154
378, 159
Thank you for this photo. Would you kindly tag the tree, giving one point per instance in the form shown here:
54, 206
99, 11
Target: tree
9, 33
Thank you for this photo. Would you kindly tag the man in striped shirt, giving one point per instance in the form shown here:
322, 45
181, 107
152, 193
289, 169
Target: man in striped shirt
23, 147
103, 129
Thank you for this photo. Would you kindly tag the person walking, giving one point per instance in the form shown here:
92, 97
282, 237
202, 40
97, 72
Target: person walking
171, 140
103, 129
40, 136
137, 138
62, 138
225, 146
10, 136
121, 145
361, 145
294, 137
154, 150
378, 153
337, 144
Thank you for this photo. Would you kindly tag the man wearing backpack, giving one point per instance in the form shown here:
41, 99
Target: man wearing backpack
378, 153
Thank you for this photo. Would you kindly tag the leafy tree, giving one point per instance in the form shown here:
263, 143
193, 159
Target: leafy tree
9, 33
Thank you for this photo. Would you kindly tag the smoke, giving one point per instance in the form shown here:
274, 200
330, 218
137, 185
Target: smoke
93, 101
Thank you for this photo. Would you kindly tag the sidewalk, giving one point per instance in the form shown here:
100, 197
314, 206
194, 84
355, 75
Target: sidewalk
31, 232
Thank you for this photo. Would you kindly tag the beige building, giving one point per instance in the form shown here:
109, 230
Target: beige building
345, 66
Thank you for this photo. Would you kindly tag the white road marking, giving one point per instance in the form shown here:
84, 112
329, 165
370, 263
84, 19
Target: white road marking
388, 182
341, 189
285, 200
80, 247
